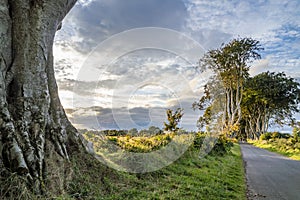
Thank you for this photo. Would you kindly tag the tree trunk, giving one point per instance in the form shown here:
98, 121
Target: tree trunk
33, 126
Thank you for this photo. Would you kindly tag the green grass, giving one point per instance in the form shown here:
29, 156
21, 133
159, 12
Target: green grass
216, 176
212, 177
279, 145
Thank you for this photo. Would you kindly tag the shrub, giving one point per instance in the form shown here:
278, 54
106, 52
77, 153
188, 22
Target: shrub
199, 137
296, 135
266, 136
222, 146
276, 135
285, 135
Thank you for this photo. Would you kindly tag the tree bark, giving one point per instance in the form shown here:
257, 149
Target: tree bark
33, 125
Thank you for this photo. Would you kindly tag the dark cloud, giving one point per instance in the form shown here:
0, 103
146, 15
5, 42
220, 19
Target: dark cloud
140, 116
101, 19
117, 118
124, 118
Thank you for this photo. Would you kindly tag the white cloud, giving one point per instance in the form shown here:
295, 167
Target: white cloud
67, 60
259, 66
113, 76
252, 18
85, 2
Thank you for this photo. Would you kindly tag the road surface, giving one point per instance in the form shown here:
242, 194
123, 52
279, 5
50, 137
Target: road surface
269, 175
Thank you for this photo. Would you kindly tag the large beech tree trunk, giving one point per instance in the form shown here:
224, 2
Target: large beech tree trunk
33, 124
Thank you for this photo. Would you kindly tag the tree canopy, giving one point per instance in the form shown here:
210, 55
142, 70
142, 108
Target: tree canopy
249, 104
267, 97
230, 63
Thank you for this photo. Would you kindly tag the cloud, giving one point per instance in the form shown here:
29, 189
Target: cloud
67, 60
274, 23
150, 80
283, 51
259, 66
97, 20
252, 18
154, 81
125, 118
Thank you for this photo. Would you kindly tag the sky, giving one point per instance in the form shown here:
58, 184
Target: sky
120, 64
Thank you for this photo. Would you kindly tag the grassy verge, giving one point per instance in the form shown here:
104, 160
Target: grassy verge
219, 175
281, 146
213, 177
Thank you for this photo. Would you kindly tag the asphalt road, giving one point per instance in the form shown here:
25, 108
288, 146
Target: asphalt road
269, 175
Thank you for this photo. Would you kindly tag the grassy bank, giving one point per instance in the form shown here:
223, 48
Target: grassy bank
280, 145
213, 177
216, 176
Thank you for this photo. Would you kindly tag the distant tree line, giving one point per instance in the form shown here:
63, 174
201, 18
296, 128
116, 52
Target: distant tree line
152, 130
170, 126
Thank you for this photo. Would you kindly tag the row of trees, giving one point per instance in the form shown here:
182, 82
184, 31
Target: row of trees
245, 105
269, 98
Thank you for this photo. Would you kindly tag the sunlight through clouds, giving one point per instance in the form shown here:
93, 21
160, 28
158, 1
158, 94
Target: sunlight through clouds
210, 23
